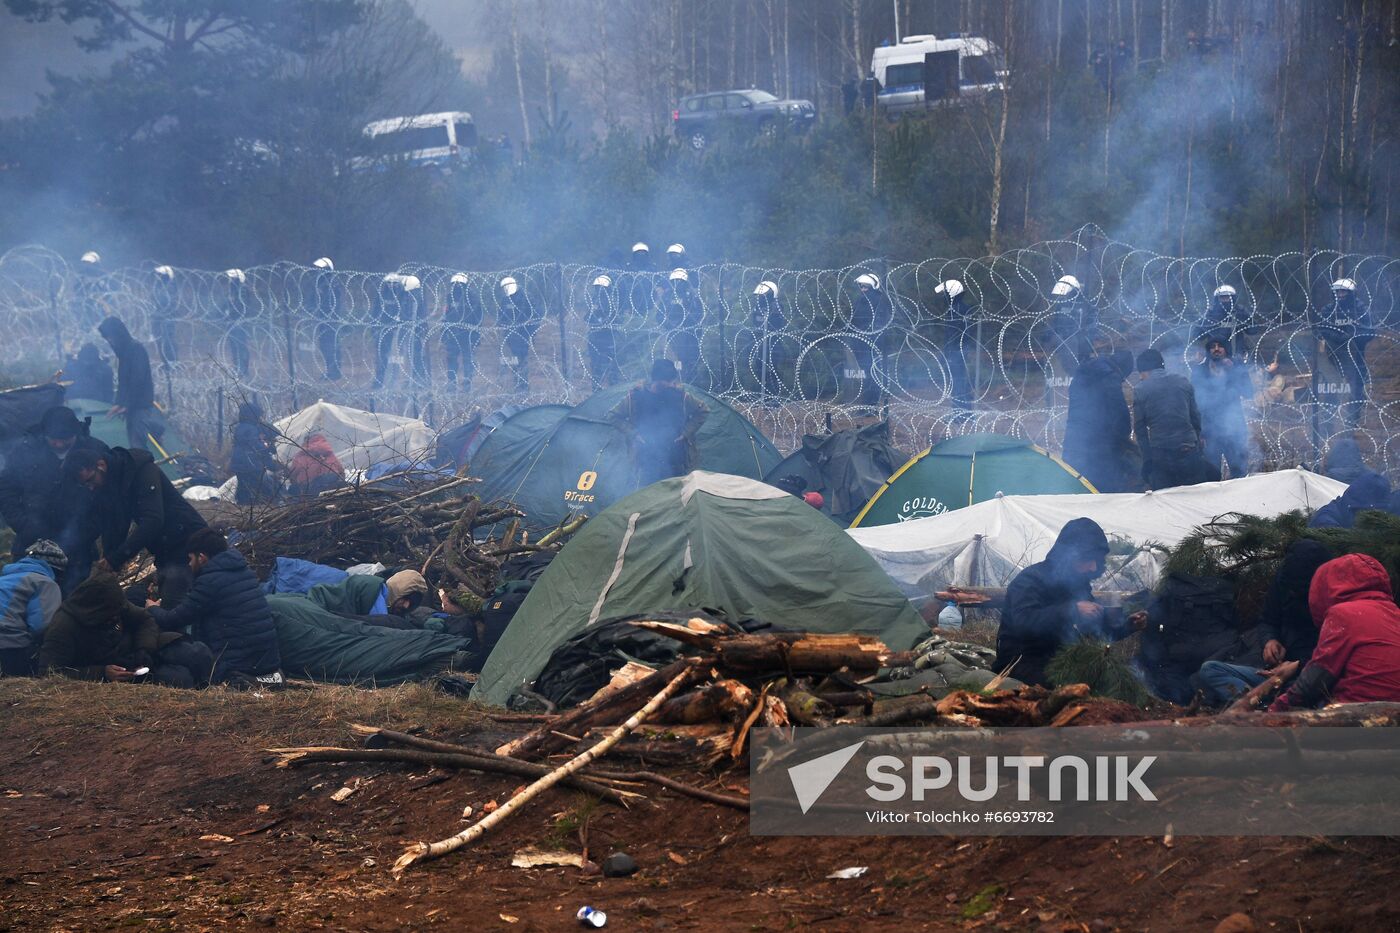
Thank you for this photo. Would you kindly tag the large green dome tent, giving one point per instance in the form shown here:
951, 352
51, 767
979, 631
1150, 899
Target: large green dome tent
962, 471
550, 460
704, 540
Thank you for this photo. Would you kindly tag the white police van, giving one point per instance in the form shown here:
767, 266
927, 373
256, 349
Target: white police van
926, 71
429, 139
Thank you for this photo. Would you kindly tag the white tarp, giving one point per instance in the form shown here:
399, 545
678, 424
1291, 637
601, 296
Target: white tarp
360, 439
987, 543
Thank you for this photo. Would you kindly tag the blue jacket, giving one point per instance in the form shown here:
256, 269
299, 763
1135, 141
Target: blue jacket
227, 610
28, 599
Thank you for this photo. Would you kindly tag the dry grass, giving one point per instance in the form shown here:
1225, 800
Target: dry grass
66, 710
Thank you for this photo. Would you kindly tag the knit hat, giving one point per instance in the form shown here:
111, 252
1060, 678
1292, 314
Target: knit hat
1149, 360
406, 583
49, 552
60, 423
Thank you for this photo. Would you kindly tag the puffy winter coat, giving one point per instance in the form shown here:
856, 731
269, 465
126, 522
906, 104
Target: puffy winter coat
313, 461
35, 497
1368, 491
1357, 658
94, 627
28, 599
227, 610
138, 494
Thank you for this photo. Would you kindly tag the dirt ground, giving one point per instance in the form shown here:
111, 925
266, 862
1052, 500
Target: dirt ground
132, 807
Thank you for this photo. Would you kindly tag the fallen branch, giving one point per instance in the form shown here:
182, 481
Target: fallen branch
462, 760
422, 851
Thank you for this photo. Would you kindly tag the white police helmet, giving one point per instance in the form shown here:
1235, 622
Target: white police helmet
509, 286
91, 257
680, 275
640, 247
324, 263
458, 278
603, 281
393, 278
165, 272
868, 280
236, 275
952, 288
1065, 285
411, 283
1224, 291
675, 249
766, 287
1344, 285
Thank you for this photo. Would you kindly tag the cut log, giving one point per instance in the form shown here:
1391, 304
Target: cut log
804, 707
798, 652
721, 701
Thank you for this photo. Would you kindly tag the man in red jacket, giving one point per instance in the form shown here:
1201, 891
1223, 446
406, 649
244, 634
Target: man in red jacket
1357, 659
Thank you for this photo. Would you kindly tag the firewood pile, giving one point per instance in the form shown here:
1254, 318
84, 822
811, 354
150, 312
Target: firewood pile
457, 541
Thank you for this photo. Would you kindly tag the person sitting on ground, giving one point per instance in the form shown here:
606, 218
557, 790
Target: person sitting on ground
253, 458
1050, 605
662, 420
1357, 658
29, 596
225, 609
314, 469
1285, 628
135, 508
98, 635
1370, 491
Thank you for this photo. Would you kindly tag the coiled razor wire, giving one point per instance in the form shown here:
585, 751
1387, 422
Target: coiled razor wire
805, 361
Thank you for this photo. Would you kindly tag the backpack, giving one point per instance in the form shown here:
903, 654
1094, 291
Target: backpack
1191, 620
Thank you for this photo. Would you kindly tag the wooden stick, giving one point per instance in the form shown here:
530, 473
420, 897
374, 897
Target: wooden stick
469, 762
422, 851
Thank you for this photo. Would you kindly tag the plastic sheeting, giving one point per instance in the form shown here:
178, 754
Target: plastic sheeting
361, 439
987, 543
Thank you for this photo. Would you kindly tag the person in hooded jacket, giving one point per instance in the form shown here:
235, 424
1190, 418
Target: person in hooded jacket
135, 508
1050, 604
37, 501
226, 610
1222, 385
461, 330
1285, 631
97, 634
1099, 426
1357, 658
90, 375
1370, 491
136, 392
30, 594
1223, 321
314, 468
603, 317
254, 456
1344, 330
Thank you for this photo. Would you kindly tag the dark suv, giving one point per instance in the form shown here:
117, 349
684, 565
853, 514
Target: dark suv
700, 116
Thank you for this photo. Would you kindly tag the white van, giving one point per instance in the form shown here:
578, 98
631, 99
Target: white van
961, 66
441, 139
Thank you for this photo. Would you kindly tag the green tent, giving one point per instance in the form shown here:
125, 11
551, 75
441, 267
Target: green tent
964, 470
112, 432
846, 467
550, 460
704, 540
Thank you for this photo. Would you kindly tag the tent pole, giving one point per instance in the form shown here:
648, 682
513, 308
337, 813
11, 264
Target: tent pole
971, 477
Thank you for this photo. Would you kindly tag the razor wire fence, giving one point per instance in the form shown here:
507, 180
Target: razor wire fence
797, 351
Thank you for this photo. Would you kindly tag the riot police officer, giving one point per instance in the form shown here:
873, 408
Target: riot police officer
461, 332
324, 305
957, 318
602, 336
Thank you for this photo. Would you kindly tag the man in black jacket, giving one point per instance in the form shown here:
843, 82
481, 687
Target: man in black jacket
1049, 605
1168, 426
136, 392
1099, 427
135, 508
225, 609
36, 498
